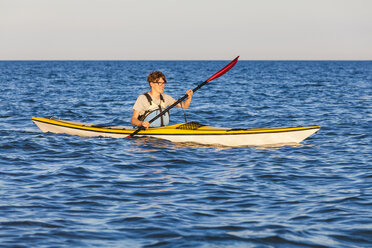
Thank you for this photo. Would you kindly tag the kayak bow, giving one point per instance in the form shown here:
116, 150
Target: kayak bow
185, 132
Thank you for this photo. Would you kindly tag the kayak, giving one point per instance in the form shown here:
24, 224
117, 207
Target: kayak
185, 132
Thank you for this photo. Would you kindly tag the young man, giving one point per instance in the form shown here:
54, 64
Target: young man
150, 104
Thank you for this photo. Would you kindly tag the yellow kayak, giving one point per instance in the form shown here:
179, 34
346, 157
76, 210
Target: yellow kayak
185, 132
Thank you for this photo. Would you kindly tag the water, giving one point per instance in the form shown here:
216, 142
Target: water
58, 190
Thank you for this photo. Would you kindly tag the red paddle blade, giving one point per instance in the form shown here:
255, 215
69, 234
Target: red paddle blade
224, 70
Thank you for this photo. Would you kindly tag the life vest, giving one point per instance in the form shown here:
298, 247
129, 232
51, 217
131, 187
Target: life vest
153, 111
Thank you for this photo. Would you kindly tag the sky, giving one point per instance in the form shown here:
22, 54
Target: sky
185, 29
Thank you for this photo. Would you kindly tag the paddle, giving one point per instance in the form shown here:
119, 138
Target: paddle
216, 75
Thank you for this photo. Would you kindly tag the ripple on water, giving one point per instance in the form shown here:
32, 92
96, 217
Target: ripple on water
59, 190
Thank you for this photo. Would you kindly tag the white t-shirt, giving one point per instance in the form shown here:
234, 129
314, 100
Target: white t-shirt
142, 104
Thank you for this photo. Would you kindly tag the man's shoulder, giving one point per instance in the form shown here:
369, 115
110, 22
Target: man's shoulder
141, 103
142, 97
168, 99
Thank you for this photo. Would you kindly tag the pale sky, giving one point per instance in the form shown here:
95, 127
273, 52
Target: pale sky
185, 29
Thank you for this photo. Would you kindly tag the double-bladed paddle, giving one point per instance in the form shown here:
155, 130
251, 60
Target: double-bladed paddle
216, 75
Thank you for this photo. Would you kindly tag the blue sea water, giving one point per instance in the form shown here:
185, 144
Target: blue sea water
58, 190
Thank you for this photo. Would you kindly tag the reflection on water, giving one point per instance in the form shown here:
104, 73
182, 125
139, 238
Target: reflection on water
161, 143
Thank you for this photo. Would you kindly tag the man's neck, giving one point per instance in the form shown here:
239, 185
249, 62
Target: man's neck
155, 95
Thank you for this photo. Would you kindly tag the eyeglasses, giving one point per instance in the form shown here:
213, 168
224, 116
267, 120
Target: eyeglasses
159, 83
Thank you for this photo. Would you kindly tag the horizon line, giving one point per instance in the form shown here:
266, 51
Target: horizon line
46, 60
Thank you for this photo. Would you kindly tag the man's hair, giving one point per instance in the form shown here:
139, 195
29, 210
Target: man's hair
155, 75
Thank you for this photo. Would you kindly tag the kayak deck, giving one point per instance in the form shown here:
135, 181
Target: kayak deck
184, 132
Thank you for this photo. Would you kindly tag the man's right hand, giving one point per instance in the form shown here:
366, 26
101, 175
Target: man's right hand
145, 124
